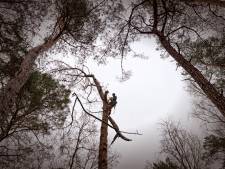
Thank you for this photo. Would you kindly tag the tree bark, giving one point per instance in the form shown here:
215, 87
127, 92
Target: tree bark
103, 145
107, 108
9, 94
217, 98
211, 2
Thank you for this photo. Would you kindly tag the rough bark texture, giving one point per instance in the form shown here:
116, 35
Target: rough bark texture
211, 2
107, 107
103, 146
217, 98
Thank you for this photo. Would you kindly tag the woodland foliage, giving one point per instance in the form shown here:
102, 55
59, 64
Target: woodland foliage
40, 121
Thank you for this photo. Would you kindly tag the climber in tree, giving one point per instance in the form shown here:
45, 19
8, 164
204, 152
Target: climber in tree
113, 100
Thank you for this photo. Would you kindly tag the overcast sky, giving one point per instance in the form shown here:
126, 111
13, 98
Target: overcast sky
155, 92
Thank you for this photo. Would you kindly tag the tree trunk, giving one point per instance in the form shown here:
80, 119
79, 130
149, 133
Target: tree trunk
210, 91
103, 146
107, 108
77, 145
8, 95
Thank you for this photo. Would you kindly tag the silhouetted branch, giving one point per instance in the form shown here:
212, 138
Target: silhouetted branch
113, 126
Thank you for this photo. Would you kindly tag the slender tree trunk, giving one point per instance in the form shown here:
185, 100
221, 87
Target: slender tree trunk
103, 146
210, 91
77, 146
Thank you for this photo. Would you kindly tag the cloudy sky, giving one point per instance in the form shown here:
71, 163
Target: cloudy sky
155, 92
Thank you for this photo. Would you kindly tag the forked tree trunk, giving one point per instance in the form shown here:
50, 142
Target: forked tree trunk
216, 97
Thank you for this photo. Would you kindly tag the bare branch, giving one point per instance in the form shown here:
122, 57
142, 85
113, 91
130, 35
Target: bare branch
111, 126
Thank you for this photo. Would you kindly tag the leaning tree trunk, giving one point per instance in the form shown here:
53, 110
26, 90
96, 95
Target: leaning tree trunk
9, 94
217, 98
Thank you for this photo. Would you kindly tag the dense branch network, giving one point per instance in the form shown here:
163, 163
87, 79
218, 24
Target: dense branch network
162, 17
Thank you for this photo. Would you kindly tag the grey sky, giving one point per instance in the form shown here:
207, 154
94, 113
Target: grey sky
154, 92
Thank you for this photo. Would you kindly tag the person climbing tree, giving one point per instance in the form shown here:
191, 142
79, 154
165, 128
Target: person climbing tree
113, 100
